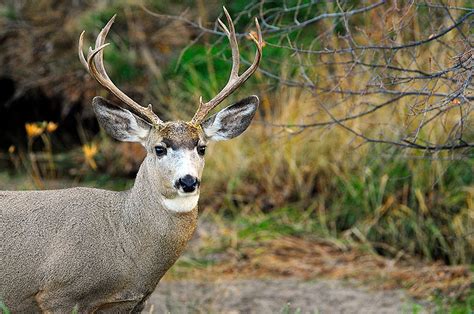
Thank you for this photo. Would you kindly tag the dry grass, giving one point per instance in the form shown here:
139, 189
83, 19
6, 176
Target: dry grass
295, 257
312, 258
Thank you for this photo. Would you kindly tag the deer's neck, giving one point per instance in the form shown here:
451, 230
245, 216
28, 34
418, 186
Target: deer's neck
157, 232
146, 201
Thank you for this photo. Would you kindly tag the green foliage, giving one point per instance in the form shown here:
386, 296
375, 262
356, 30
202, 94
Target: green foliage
287, 309
8, 12
455, 306
3, 308
121, 63
96, 19
198, 72
282, 221
204, 69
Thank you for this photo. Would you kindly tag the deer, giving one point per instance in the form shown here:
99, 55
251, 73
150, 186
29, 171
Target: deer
96, 251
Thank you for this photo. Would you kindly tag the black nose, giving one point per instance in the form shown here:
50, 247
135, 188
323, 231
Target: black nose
188, 183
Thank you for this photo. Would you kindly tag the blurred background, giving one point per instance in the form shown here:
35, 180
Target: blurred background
359, 162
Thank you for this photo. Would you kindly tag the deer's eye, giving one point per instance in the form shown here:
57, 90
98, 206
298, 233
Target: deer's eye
201, 150
160, 151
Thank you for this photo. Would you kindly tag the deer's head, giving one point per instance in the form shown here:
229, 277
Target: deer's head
175, 149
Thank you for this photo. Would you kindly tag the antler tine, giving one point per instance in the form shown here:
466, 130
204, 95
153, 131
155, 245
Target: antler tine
94, 63
100, 41
234, 45
234, 79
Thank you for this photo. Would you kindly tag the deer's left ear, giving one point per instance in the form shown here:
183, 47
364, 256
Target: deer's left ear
231, 121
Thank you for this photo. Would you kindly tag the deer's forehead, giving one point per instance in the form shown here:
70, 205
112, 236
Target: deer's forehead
179, 135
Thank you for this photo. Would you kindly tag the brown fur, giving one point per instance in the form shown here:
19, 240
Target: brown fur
180, 134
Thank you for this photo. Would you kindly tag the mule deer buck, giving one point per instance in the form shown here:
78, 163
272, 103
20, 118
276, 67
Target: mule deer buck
105, 251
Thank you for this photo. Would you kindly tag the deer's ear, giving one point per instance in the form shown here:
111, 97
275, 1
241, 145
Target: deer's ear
231, 121
120, 123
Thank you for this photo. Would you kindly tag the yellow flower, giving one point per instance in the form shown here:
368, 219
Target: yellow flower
11, 149
33, 129
89, 151
51, 127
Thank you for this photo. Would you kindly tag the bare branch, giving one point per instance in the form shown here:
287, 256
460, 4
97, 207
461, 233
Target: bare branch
365, 70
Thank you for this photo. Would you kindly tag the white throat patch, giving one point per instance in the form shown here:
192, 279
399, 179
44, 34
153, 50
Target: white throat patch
181, 204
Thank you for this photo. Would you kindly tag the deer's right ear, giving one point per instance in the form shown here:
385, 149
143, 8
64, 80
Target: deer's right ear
120, 123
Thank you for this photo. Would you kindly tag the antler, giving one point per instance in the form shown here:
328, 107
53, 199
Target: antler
235, 80
95, 65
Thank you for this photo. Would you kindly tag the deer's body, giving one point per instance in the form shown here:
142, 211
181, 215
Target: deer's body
104, 251
70, 242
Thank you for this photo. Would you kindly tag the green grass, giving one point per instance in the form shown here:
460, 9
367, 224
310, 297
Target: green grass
455, 306
8, 12
287, 309
3, 308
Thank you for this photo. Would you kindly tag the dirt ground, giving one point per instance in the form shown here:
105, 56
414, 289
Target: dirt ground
274, 296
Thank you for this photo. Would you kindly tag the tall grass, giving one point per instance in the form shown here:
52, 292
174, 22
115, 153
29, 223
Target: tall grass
394, 200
